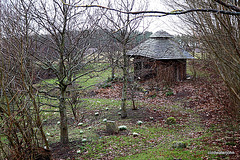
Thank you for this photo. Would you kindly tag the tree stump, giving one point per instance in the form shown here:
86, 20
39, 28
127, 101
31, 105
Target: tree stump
111, 127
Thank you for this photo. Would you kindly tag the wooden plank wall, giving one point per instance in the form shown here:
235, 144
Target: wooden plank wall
162, 70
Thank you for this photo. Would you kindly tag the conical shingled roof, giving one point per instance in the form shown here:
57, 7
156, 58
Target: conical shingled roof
160, 46
161, 34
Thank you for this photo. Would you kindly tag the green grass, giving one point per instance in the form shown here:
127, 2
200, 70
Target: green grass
3, 138
89, 80
196, 148
53, 134
84, 82
155, 138
153, 141
168, 154
96, 78
100, 104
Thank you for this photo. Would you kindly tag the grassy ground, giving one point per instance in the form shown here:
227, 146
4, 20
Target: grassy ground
153, 139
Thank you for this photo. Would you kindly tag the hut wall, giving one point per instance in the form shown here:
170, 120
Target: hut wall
144, 68
165, 71
171, 70
181, 65
162, 70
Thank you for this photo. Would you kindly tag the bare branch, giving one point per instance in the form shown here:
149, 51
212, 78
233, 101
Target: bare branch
163, 13
230, 6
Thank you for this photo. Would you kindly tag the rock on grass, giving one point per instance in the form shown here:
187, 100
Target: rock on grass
139, 123
111, 127
122, 128
179, 144
135, 134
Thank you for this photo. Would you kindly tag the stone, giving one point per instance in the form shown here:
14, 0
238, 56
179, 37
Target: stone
135, 134
179, 144
111, 127
81, 131
122, 128
80, 124
139, 123
84, 140
105, 120
97, 114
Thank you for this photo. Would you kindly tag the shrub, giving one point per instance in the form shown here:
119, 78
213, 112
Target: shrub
169, 93
171, 120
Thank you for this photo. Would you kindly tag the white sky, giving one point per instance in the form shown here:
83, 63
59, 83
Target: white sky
167, 23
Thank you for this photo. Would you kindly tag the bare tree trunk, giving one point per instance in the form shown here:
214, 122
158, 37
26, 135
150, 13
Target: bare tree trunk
113, 72
132, 88
125, 82
63, 86
63, 118
193, 67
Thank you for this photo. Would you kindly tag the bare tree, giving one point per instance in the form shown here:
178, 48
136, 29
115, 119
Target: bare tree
19, 110
122, 30
62, 49
219, 37
224, 20
113, 55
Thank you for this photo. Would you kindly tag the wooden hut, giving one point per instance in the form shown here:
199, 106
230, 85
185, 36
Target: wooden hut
160, 57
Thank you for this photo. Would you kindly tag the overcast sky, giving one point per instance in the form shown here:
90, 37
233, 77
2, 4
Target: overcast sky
167, 23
